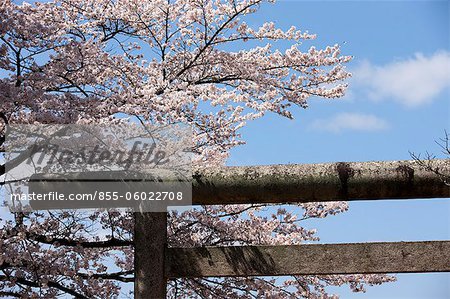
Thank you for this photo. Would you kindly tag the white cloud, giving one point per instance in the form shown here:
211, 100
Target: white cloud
350, 121
413, 82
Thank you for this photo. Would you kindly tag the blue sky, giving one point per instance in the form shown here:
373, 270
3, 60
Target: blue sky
398, 102
382, 118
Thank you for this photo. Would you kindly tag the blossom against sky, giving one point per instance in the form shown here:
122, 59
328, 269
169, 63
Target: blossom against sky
398, 101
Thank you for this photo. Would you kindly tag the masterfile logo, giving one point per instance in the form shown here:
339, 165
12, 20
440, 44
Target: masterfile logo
92, 166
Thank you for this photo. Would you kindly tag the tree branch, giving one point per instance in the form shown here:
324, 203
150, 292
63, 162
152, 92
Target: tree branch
113, 242
51, 284
113, 276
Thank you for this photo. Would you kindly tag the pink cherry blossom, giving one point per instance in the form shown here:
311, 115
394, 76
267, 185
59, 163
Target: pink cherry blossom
94, 61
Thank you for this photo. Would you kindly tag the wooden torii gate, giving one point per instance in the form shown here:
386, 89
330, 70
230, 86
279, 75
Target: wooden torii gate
155, 263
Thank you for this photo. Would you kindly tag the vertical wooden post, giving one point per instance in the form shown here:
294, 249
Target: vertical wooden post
150, 237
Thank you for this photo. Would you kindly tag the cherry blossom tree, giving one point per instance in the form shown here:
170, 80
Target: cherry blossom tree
156, 62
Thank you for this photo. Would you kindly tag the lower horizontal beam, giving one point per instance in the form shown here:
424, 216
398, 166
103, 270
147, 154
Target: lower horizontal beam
311, 259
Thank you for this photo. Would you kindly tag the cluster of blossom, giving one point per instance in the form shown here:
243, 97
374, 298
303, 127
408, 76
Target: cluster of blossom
94, 61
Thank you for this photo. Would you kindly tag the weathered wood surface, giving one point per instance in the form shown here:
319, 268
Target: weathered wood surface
319, 182
150, 239
314, 259
309, 182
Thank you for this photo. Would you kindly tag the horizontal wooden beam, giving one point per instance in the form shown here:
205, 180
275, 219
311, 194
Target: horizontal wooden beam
314, 259
319, 182
301, 183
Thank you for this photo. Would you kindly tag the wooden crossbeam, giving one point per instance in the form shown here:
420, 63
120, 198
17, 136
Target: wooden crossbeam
313, 259
319, 182
300, 183
288, 184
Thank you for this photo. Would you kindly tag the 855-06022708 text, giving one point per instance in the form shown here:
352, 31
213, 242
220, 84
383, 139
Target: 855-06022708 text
100, 195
